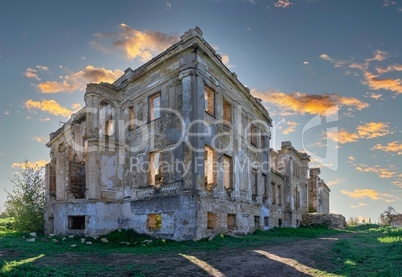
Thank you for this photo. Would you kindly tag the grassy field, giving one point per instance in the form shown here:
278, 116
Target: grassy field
369, 251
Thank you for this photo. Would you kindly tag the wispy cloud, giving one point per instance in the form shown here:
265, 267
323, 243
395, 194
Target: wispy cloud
291, 127
336, 63
33, 72
378, 56
50, 106
39, 163
134, 43
389, 68
283, 4
168, 5
388, 3
392, 147
7, 113
302, 103
40, 139
306, 63
358, 205
369, 193
335, 182
367, 131
381, 172
79, 80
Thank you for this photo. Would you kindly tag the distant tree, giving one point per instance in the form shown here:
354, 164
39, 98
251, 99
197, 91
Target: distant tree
388, 216
353, 221
26, 201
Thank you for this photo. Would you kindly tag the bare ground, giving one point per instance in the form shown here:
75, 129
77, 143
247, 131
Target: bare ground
297, 258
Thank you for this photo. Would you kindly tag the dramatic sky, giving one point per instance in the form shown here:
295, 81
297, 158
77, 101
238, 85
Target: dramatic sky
329, 72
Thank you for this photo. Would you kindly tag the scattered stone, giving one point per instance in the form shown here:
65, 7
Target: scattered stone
125, 243
44, 240
88, 243
33, 234
55, 240
82, 240
73, 245
63, 239
147, 241
71, 236
51, 235
104, 240
31, 240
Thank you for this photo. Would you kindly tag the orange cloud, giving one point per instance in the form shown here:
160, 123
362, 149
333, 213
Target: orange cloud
382, 172
366, 131
50, 106
393, 146
283, 4
309, 103
79, 80
373, 130
369, 193
39, 163
135, 43
376, 83
342, 136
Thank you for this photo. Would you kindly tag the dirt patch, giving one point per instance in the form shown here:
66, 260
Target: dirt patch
296, 258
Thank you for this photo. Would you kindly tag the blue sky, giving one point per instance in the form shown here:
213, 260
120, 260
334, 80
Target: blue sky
338, 62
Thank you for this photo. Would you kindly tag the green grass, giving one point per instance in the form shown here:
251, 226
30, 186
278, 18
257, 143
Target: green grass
370, 251
374, 251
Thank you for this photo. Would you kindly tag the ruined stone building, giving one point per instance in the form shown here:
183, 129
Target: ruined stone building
318, 193
177, 148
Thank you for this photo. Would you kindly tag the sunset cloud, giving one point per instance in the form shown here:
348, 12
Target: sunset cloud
367, 131
392, 147
291, 127
134, 43
50, 106
381, 172
33, 73
283, 4
378, 56
335, 182
39, 163
309, 103
79, 80
376, 83
394, 67
336, 63
369, 193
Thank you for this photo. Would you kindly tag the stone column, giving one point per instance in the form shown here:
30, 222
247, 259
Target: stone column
61, 178
237, 128
186, 77
92, 135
